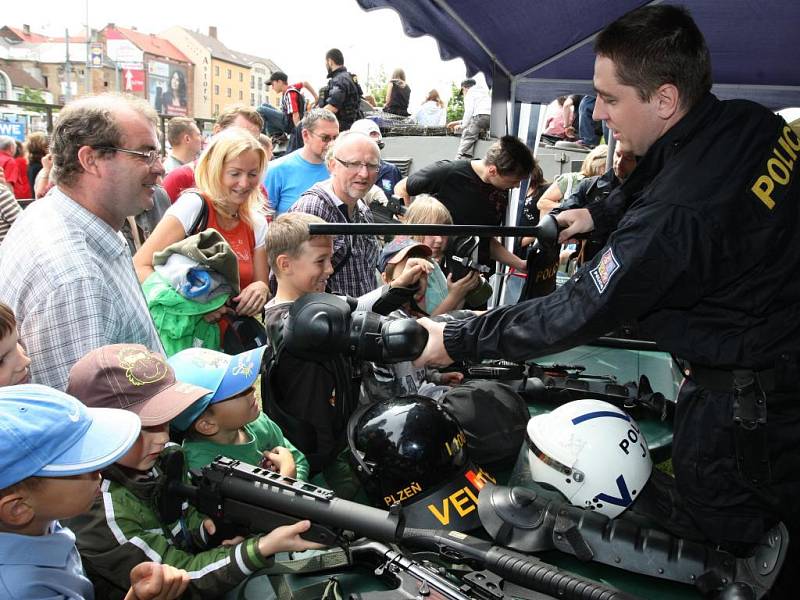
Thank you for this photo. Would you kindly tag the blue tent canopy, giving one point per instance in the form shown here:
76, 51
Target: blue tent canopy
539, 50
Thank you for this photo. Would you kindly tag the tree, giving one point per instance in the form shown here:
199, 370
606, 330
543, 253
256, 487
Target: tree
376, 86
35, 96
455, 107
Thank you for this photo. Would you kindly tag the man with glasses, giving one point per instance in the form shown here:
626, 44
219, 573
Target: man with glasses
291, 175
353, 161
67, 273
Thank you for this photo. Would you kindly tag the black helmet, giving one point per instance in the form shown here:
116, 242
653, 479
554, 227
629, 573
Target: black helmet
411, 450
242, 334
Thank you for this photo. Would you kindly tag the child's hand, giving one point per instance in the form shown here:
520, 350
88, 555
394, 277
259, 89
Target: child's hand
153, 581
281, 460
415, 269
286, 539
211, 529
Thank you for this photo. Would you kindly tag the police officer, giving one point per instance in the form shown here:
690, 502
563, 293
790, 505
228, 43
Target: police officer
704, 253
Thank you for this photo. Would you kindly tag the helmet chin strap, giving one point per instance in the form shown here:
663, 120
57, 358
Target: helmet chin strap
522, 519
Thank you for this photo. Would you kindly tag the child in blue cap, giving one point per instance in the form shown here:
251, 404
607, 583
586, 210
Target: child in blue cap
124, 526
229, 421
51, 451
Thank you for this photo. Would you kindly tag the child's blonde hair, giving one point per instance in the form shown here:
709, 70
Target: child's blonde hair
595, 161
286, 235
226, 146
427, 210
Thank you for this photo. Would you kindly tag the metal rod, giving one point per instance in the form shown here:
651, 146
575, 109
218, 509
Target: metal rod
400, 229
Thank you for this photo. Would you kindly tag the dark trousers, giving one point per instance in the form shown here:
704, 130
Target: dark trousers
709, 500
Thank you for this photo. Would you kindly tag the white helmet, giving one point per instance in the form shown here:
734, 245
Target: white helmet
592, 452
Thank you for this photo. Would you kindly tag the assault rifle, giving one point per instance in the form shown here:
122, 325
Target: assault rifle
260, 500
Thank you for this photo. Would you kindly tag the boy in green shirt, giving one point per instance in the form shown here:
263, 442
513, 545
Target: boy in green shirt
229, 421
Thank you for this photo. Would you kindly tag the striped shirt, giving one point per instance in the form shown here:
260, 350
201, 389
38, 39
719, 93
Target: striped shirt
69, 278
355, 257
9, 210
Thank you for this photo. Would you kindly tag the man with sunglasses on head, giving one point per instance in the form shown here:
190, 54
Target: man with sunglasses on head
353, 161
291, 175
67, 273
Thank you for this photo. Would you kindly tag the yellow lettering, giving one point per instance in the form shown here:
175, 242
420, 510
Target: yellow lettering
789, 134
772, 163
790, 151
388, 500
444, 516
472, 495
762, 188
461, 502
416, 487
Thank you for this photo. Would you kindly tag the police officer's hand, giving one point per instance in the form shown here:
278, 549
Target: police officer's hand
434, 353
574, 221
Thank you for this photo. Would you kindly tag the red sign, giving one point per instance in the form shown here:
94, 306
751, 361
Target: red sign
132, 80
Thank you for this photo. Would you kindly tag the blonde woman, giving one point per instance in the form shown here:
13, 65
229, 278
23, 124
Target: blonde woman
443, 294
566, 183
227, 176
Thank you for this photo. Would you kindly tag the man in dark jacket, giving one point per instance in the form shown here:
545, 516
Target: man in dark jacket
704, 253
343, 96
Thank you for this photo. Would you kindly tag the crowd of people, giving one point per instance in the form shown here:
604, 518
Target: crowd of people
112, 345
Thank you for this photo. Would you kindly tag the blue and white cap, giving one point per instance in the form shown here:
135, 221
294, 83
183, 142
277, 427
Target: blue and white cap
226, 375
47, 433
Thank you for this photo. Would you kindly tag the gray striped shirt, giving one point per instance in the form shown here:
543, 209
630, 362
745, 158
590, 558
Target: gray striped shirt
69, 278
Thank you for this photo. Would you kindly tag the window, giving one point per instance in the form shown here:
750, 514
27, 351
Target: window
253, 99
230, 93
216, 109
241, 95
216, 90
3, 86
260, 84
241, 76
252, 81
229, 73
216, 70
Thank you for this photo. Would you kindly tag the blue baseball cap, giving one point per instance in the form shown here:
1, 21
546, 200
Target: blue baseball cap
225, 374
396, 250
47, 433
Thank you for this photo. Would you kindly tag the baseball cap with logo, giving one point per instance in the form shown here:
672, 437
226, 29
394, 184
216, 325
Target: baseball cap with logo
397, 250
47, 433
131, 377
224, 374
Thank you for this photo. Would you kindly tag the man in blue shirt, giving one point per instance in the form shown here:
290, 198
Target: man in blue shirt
291, 175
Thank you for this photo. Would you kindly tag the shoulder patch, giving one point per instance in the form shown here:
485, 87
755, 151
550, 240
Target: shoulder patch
605, 270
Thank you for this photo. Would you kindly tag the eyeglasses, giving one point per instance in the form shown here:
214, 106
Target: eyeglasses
326, 139
357, 165
150, 157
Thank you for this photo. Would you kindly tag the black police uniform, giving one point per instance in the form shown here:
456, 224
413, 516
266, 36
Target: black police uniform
343, 93
705, 254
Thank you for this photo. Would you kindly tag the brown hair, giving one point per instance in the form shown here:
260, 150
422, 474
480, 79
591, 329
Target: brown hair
228, 116
287, 234
36, 146
511, 157
8, 323
654, 45
433, 95
177, 127
91, 121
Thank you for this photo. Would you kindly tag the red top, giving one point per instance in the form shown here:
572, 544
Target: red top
23, 189
242, 240
179, 179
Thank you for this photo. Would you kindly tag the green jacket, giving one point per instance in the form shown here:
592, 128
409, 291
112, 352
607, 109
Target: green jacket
179, 321
123, 529
264, 435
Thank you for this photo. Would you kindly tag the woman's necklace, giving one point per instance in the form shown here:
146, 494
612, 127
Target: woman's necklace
224, 213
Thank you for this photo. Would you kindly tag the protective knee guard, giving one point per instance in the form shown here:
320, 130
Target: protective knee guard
529, 522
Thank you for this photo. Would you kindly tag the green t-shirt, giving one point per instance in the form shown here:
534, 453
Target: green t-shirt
263, 434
